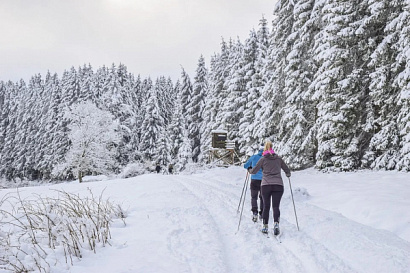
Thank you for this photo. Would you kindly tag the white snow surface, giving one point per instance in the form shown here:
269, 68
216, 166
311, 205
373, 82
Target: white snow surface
349, 222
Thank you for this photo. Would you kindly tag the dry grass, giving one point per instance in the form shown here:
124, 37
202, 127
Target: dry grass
36, 229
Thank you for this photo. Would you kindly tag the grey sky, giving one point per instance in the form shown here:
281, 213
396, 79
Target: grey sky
151, 37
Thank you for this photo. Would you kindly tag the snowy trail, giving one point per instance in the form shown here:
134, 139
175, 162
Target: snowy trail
193, 221
270, 254
188, 223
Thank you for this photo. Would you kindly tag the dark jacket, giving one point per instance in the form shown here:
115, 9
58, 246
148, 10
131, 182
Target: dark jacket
271, 165
252, 163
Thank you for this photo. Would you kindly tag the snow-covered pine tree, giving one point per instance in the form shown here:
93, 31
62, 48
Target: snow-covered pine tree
195, 107
97, 84
86, 76
339, 87
94, 138
232, 103
382, 108
134, 88
184, 152
191, 111
208, 117
43, 148
255, 53
55, 143
176, 128
298, 111
248, 96
166, 97
151, 127
70, 87
141, 114
256, 84
403, 83
126, 115
163, 146
216, 78
11, 130
272, 99
30, 149
4, 112
185, 90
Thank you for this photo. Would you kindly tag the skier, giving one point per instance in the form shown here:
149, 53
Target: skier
158, 168
255, 187
170, 168
272, 184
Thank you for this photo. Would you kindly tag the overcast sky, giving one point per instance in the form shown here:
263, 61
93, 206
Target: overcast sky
151, 37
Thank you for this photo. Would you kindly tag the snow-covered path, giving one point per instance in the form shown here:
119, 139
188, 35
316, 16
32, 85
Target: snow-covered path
188, 223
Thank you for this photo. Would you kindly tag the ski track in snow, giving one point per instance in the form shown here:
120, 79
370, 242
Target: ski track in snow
194, 238
274, 256
326, 243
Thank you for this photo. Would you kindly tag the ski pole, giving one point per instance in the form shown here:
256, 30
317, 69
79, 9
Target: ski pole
243, 203
240, 200
294, 208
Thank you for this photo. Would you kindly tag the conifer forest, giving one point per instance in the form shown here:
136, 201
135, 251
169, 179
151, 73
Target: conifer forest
328, 82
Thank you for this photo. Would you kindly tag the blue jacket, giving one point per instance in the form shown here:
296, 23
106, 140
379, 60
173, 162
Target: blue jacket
252, 163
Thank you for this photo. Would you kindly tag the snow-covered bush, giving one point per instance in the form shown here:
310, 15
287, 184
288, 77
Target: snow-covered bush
300, 194
39, 232
133, 169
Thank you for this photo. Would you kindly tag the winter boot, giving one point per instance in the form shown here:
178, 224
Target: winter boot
265, 229
276, 230
255, 216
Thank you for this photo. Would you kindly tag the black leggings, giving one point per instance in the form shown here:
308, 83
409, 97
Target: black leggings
255, 192
275, 193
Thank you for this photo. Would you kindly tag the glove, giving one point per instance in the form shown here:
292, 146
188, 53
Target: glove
249, 168
288, 174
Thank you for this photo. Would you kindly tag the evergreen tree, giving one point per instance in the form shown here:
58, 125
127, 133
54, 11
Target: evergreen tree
176, 129
184, 152
382, 108
217, 76
271, 101
151, 127
186, 91
163, 146
56, 142
213, 98
402, 81
86, 76
32, 132
11, 115
298, 111
232, 103
254, 57
195, 108
339, 87
4, 112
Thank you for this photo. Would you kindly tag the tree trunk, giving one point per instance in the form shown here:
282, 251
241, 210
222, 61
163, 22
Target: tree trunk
80, 176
